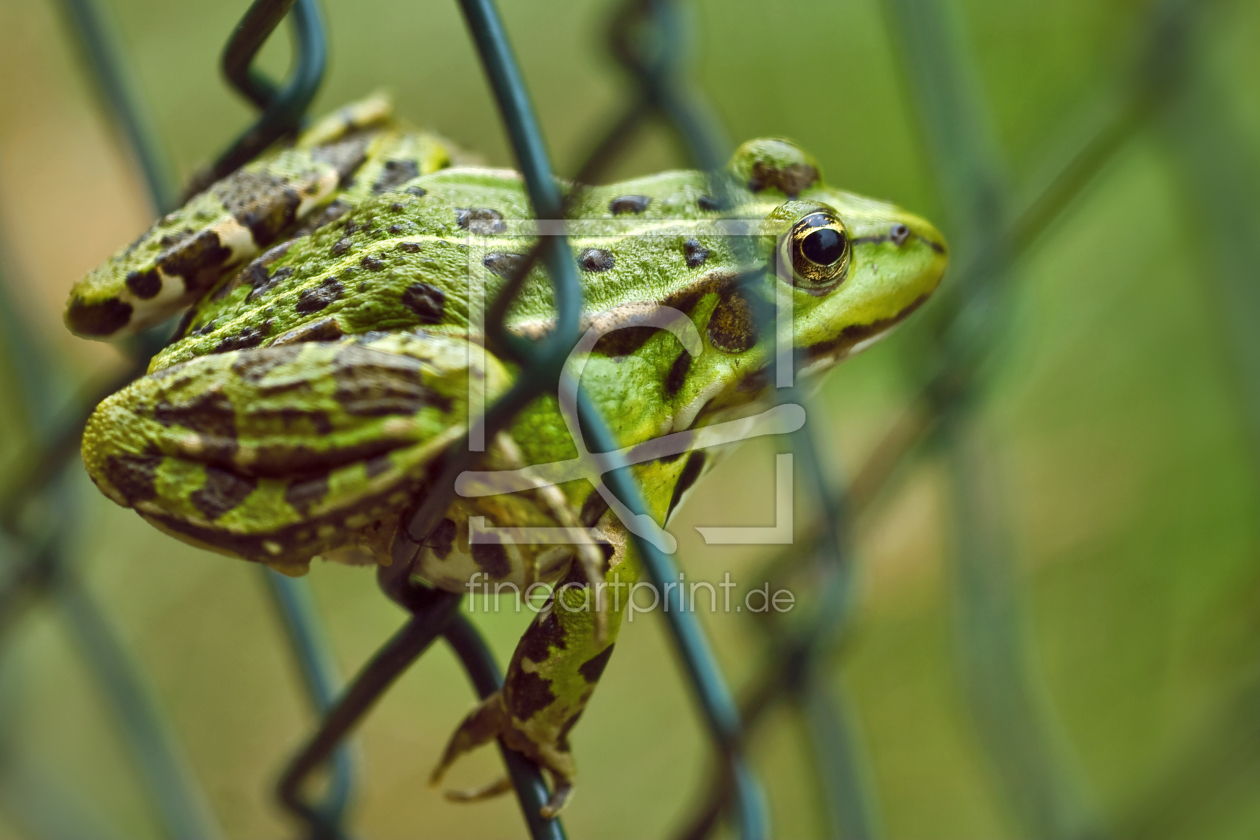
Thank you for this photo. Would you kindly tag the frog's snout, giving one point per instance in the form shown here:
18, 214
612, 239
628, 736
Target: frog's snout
913, 232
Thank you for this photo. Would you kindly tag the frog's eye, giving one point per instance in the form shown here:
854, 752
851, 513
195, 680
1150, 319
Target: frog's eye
817, 249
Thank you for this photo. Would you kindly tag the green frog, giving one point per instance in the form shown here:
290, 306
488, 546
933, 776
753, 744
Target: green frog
333, 350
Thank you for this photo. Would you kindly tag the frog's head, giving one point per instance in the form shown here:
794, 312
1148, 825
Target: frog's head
857, 267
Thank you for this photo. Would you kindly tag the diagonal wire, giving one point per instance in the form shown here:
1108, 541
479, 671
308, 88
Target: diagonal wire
93, 31
1011, 714
284, 106
169, 783
298, 614
539, 376
1160, 61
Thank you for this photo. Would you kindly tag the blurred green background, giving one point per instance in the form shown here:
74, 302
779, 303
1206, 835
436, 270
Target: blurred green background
1111, 405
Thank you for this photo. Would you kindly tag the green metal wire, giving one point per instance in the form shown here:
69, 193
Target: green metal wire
300, 618
283, 107
1161, 62
484, 673
1011, 714
715, 700
168, 778
1220, 176
990, 236
169, 782
94, 33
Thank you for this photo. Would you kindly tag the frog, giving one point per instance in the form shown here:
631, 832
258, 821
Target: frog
332, 350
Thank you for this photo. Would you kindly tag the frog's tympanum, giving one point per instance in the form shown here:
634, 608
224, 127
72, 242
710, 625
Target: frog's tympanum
324, 365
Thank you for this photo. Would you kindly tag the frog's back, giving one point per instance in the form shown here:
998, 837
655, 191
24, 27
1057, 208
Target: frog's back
407, 258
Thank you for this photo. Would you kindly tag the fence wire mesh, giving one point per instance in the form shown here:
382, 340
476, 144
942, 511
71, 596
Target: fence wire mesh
992, 231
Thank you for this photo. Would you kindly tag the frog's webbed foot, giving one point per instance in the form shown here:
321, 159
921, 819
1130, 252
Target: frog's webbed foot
491, 719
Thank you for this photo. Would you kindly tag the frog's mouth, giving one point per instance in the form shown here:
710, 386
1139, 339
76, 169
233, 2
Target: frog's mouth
853, 339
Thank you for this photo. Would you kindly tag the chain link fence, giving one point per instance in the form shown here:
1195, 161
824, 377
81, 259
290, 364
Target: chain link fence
991, 230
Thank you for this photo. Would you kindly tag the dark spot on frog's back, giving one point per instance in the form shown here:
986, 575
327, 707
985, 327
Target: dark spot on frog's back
791, 180
503, 263
428, 302
304, 494
313, 300
222, 492
629, 204
624, 341
144, 284
491, 558
174, 237
198, 260
345, 156
98, 319
263, 282
595, 259
627, 340
264, 203
731, 327
372, 263
480, 220
134, 476
708, 203
248, 337
395, 173
695, 253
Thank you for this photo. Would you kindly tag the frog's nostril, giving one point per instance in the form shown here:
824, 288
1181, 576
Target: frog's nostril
899, 234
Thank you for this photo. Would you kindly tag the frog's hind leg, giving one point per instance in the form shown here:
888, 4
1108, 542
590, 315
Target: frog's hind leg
278, 454
551, 677
481, 726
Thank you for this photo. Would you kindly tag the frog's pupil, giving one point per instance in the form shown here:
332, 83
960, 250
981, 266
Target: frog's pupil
823, 246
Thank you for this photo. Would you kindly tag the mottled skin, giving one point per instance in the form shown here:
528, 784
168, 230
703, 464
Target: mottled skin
301, 407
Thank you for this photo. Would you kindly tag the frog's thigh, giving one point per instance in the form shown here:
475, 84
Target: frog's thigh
277, 454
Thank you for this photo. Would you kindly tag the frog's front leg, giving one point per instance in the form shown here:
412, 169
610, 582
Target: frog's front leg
552, 675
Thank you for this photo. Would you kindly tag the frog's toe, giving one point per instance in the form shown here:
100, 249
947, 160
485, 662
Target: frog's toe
482, 725
489, 791
559, 798
491, 719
